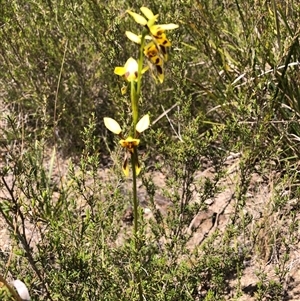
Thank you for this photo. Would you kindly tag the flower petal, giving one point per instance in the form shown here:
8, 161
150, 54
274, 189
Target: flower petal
137, 168
159, 74
137, 18
131, 68
145, 69
162, 40
129, 143
151, 50
137, 165
125, 166
147, 12
149, 15
153, 53
112, 125
133, 37
131, 63
161, 77
120, 71
164, 27
156, 60
143, 124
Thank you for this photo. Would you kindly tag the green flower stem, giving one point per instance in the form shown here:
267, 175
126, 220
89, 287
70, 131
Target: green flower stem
136, 87
140, 63
134, 104
136, 223
135, 96
135, 200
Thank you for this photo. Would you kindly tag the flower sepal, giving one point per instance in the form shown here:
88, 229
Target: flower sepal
143, 124
112, 125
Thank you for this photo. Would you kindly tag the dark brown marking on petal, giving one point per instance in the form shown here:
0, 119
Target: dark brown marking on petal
159, 69
130, 146
156, 61
163, 49
136, 157
125, 163
137, 164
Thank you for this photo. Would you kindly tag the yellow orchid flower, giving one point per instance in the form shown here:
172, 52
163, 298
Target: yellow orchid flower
160, 38
156, 50
130, 70
152, 52
130, 143
157, 31
157, 58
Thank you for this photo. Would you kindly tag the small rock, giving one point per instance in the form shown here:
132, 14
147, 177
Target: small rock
21, 289
208, 201
147, 211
